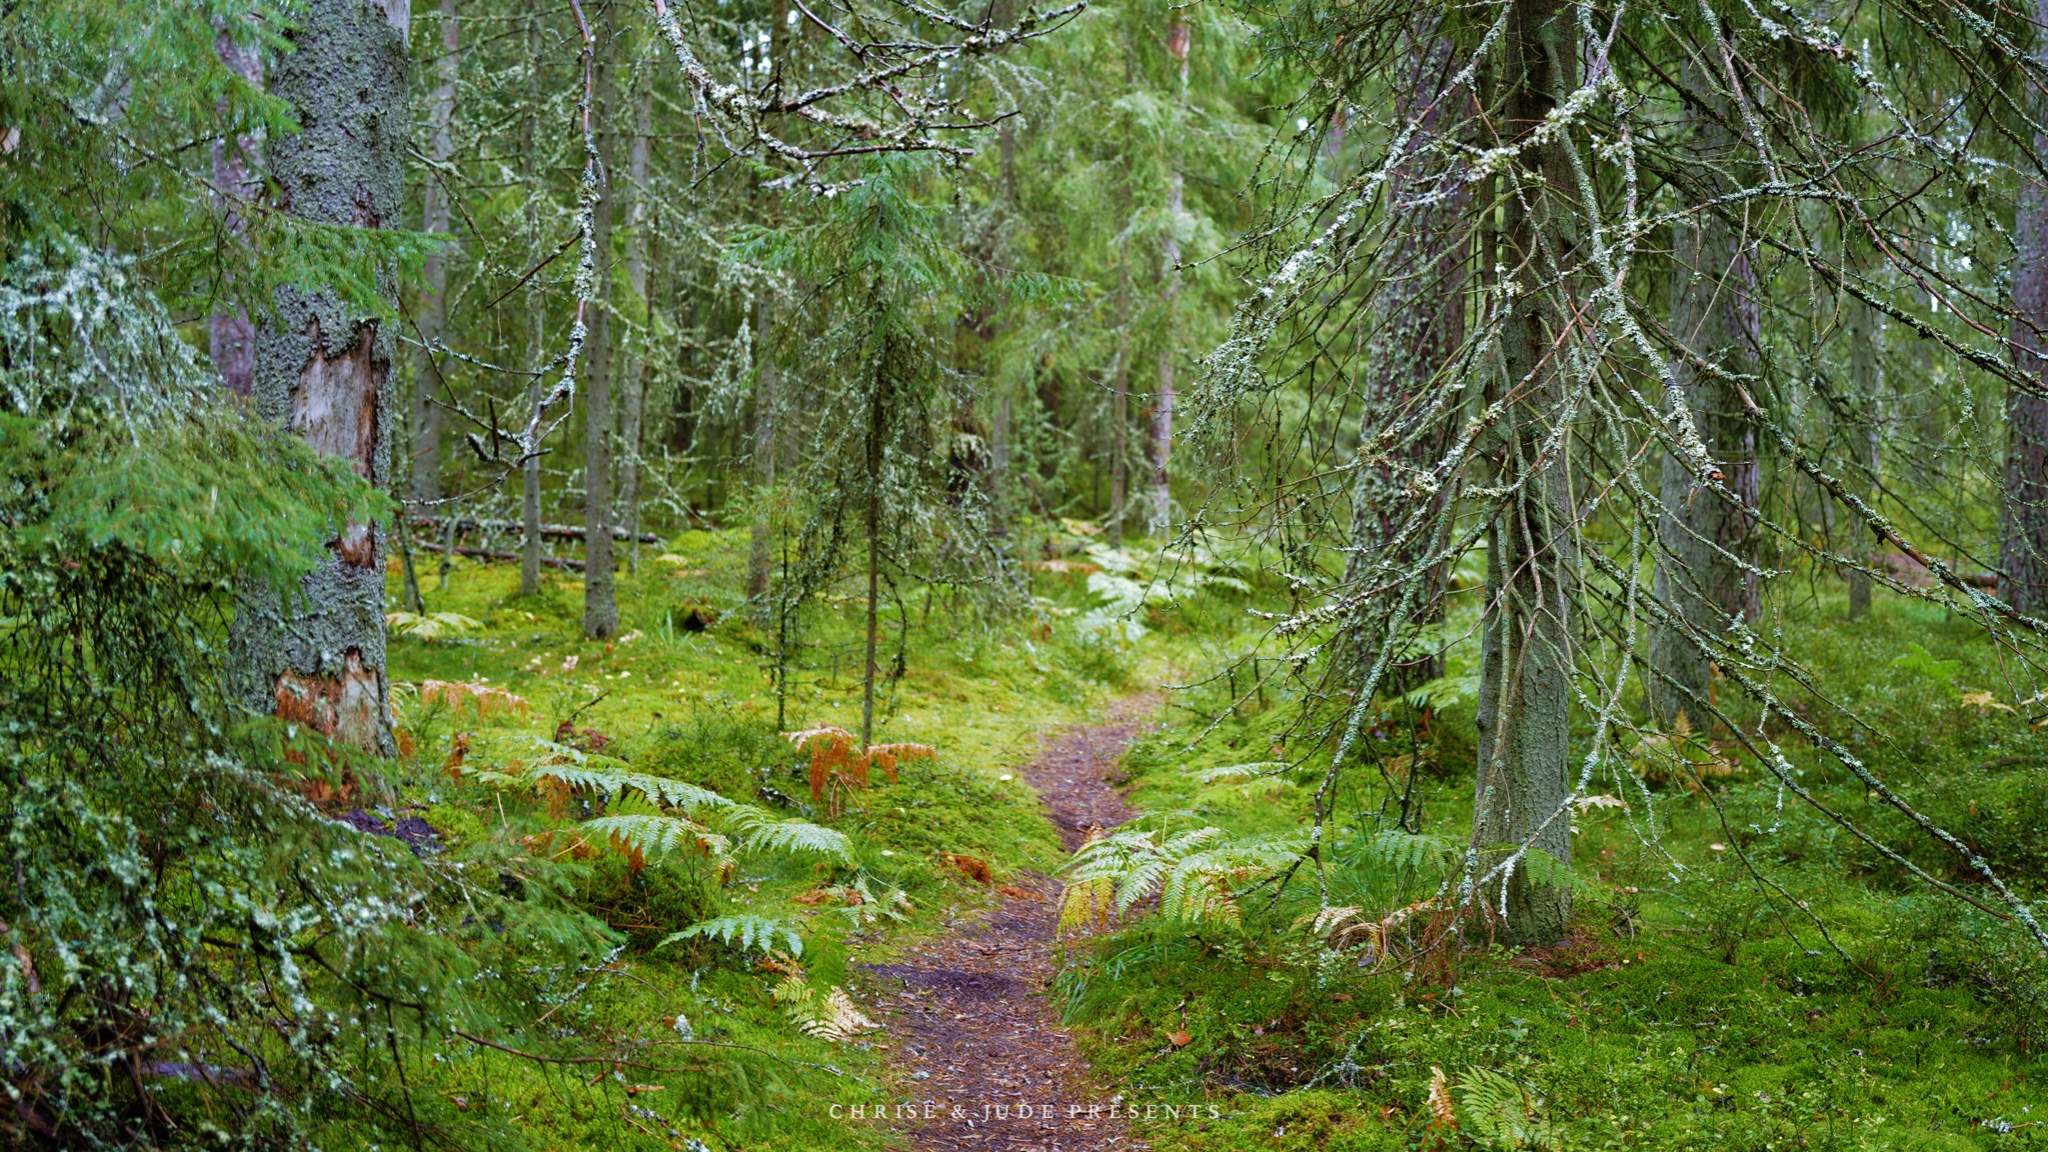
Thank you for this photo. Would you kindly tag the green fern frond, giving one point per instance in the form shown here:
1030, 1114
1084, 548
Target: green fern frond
651, 836
753, 934
760, 832
604, 774
1408, 851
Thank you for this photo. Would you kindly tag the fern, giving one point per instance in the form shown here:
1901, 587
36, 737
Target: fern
760, 832
642, 836
1408, 851
1500, 1113
753, 933
832, 1016
1196, 874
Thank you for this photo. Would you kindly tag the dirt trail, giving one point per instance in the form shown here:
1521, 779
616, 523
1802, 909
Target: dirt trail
971, 1014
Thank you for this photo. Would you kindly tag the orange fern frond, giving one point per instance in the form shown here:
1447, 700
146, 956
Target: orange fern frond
890, 755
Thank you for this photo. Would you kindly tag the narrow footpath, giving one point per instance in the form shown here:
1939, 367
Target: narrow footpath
995, 1072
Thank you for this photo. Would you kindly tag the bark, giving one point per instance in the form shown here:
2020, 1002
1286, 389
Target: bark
432, 315
634, 365
600, 597
536, 327
324, 371
231, 337
1705, 573
766, 445
1865, 383
2023, 539
1525, 677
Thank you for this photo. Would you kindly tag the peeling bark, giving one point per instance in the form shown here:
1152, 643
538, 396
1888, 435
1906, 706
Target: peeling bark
324, 371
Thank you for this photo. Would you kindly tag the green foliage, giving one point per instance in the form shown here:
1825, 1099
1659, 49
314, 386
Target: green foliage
1918, 661
428, 627
180, 910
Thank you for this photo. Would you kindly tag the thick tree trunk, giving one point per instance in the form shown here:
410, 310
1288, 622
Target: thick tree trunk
1162, 404
600, 597
1865, 383
1705, 572
1418, 327
432, 316
324, 371
1525, 648
634, 365
2023, 542
766, 446
231, 337
536, 326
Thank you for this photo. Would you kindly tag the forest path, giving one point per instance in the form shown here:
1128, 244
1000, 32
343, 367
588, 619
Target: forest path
970, 1013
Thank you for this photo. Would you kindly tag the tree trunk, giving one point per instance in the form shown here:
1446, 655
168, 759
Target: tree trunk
432, 316
231, 337
536, 325
766, 446
1706, 539
324, 371
2023, 539
1120, 416
634, 365
600, 597
1865, 383
1525, 654
877, 412
1418, 327
1162, 405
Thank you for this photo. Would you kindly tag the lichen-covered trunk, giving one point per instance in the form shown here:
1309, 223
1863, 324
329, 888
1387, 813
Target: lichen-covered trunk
766, 445
536, 323
1706, 565
1524, 702
600, 597
432, 313
2023, 540
323, 369
1865, 382
231, 336
634, 365
1162, 403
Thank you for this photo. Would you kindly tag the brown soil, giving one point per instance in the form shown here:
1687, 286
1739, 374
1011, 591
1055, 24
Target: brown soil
970, 1013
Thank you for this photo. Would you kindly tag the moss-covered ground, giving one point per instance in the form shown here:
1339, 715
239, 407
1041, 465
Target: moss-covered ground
1743, 973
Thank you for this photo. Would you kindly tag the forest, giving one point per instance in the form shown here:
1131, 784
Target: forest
838, 575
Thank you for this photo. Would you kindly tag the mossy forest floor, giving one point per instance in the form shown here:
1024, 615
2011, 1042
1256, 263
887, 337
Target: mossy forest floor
1703, 1000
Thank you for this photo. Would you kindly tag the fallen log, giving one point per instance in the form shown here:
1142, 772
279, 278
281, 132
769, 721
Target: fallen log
551, 531
494, 554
